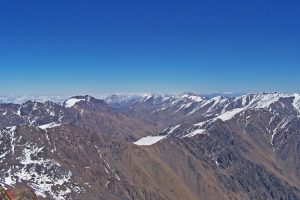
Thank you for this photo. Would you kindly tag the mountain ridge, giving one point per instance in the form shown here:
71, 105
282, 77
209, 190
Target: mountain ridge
243, 147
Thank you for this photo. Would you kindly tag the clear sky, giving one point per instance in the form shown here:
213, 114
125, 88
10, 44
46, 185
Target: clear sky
83, 46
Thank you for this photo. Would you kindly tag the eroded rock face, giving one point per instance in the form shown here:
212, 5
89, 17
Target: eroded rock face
22, 193
221, 148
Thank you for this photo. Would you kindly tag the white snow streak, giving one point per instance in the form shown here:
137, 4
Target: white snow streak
51, 125
174, 128
195, 132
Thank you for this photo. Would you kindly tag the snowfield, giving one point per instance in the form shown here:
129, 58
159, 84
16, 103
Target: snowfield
149, 140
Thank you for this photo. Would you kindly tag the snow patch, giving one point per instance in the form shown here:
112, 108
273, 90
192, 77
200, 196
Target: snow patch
195, 132
117, 176
296, 103
149, 140
19, 111
41, 174
50, 125
4, 112
3, 155
229, 114
280, 126
173, 128
71, 102
13, 139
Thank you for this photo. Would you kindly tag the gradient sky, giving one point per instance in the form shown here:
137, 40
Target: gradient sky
76, 46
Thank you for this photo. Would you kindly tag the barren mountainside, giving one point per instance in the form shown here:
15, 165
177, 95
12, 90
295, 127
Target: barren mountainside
154, 147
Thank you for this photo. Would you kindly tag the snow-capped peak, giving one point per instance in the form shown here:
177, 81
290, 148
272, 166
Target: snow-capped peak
264, 100
148, 96
72, 101
296, 103
194, 98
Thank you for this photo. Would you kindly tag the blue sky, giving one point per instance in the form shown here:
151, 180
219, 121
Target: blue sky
75, 46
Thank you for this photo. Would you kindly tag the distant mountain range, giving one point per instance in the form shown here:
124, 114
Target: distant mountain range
19, 99
153, 146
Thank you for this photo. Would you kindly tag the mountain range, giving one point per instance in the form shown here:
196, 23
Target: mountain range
153, 146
